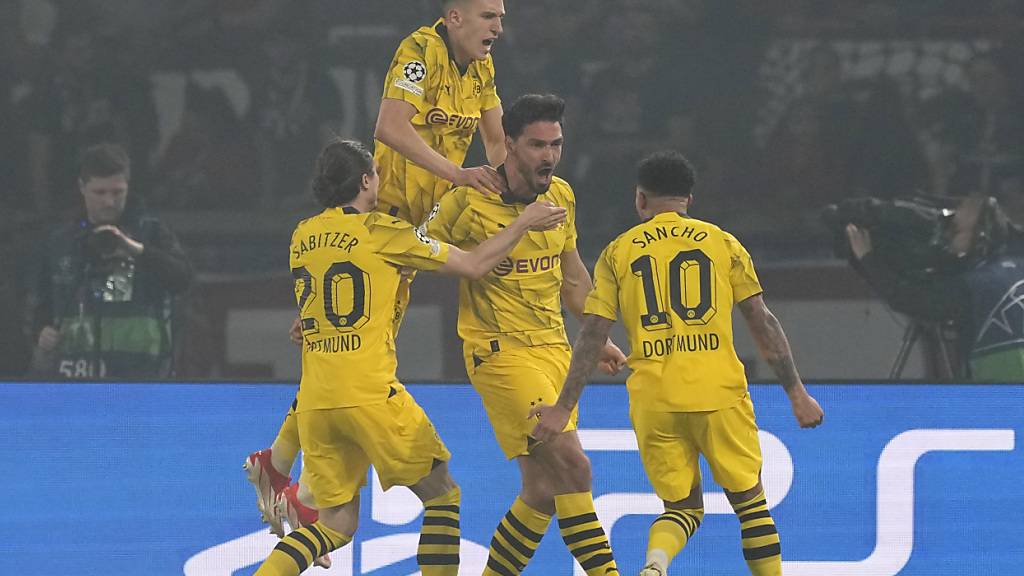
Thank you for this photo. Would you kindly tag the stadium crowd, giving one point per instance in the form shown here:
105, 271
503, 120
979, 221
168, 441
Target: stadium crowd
223, 104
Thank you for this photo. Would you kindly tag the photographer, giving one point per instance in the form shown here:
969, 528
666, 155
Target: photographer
985, 301
104, 297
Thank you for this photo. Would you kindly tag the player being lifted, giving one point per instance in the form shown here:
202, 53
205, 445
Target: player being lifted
352, 411
674, 280
438, 91
514, 340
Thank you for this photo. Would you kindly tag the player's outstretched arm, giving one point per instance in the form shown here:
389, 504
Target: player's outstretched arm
551, 420
476, 263
774, 348
576, 286
394, 128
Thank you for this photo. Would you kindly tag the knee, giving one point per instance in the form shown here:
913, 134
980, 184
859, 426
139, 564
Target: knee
575, 470
343, 519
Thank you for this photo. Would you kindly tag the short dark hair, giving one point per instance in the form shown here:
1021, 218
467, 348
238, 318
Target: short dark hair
530, 108
102, 161
339, 172
666, 173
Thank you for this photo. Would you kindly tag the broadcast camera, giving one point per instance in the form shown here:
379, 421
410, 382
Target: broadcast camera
109, 274
916, 237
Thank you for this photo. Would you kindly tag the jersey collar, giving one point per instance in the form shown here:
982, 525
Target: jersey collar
507, 197
442, 31
350, 210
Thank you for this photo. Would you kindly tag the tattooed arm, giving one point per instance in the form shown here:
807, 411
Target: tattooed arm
774, 348
551, 420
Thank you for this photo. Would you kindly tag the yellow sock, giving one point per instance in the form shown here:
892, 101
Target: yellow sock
285, 448
516, 539
438, 552
761, 547
670, 532
583, 534
296, 551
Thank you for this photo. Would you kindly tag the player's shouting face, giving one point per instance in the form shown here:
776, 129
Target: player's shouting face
475, 25
536, 153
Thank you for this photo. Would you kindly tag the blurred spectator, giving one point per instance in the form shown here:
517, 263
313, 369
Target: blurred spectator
296, 108
209, 161
103, 301
218, 33
535, 54
82, 98
992, 122
627, 107
893, 165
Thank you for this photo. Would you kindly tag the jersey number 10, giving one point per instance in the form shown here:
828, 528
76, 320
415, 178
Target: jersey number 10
691, 289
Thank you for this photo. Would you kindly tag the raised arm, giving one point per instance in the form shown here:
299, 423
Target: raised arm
475, 264
493, 135
586, 352
774, 348
394, 128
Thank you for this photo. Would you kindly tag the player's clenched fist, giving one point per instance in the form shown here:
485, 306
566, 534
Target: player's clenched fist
807, 411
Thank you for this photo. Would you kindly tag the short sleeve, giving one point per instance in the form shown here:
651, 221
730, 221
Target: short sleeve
741, 271
603, 300
409, 76
570, 220
402, 244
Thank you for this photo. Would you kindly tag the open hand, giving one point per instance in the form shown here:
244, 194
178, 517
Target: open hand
540, 216
482, 178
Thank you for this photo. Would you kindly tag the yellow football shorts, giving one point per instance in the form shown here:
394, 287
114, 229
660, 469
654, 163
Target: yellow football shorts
340, 444
510, 382
671, 441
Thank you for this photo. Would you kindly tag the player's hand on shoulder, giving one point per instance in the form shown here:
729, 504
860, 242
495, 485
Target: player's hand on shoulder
807, 411
483, 178
612, 359
542, 215
551, 420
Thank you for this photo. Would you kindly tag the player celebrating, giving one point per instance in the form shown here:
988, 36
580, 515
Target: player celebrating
352, 412
515, 345
675, 280
438, 90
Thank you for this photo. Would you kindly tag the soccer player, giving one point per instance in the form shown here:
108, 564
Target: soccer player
438, 91
675, 280
352, 411
514, 340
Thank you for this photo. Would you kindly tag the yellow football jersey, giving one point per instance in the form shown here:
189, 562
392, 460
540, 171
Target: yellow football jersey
519, 302
346, 270
675, 279
448, 104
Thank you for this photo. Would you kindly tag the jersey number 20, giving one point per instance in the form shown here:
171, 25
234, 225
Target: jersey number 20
344, 290
691, 289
